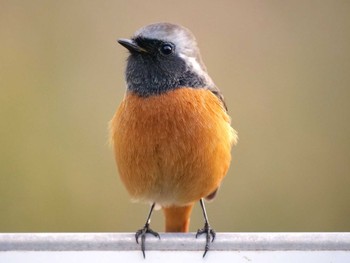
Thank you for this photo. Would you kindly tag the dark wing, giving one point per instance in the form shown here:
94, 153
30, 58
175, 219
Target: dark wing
212, 195
218, 94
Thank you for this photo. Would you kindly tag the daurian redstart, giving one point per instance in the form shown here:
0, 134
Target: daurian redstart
171, 134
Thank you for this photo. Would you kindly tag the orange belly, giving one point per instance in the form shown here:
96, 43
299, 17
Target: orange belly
174, 148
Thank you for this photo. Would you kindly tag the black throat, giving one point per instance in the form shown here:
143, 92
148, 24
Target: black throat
151, 74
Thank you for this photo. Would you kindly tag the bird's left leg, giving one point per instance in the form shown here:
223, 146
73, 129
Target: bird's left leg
207, 230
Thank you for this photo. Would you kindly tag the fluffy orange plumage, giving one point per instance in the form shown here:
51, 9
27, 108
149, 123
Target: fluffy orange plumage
172, 149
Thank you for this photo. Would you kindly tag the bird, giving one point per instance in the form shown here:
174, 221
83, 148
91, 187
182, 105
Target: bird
171, 134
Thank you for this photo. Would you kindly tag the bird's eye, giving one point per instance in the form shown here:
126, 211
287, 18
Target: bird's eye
166, 49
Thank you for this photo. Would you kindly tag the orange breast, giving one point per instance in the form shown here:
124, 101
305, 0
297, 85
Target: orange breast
173, 148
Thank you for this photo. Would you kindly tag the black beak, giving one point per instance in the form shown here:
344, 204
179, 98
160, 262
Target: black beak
131, 45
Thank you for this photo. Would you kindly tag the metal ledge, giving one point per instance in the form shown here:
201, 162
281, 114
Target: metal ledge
175, 242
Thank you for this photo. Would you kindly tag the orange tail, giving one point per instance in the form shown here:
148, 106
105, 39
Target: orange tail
177, 218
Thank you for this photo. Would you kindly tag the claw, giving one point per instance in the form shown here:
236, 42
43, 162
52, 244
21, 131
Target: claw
210, 234
143, 232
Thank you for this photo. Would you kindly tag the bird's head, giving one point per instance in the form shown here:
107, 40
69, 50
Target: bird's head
163, 57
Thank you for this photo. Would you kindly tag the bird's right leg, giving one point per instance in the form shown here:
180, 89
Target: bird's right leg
146, 230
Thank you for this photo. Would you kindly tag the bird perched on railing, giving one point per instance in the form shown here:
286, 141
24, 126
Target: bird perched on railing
171, 134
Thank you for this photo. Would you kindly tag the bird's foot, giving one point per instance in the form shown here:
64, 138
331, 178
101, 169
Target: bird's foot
210, 234
143, 232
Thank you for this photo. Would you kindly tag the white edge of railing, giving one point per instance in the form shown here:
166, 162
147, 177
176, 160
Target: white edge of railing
301, 241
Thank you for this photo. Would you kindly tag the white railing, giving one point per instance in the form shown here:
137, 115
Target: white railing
227, 247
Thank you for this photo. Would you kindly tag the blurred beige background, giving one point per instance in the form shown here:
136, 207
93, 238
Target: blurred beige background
283, 66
